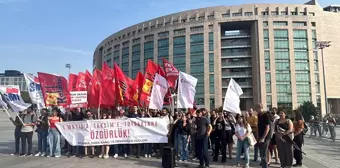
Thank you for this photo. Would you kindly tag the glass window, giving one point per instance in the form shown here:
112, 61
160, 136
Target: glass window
179, 50
163, 43
316, 66
268, 88
265, 33
211, 58
211, 46
265, 23
196, 48
266, 55
300, 34
302, 98
162, 52
179, 40
148, 45
302, 77
266, 44
317, 87
284, 98
303, 88
284, 77
196, 38
248, 13
300, 44
268, 78
179, 60
280, 23
281, 44
301, 55
280, 33
197, 58
314, 34
302, 66
315, 55
299, 24
212, 84
281, 54
197, 68
282, 65
267, 65
269, 99
211, 37
283, 88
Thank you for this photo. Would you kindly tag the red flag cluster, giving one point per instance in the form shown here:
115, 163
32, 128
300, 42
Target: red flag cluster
107, 87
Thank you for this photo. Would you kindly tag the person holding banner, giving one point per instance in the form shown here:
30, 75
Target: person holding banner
124, 146
89, 116
53, 133
17, 132
42, 132
27, 132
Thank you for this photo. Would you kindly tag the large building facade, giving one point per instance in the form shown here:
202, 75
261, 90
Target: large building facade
13, 77
268, 49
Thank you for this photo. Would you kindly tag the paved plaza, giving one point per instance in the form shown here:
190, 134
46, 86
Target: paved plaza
320, 154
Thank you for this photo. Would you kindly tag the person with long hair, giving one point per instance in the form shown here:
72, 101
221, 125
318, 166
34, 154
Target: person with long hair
242, 131
105, 148
219, 126
53, 133
299, 125
284, 130
184, 137
229, 130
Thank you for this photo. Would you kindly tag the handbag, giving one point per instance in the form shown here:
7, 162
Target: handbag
251, 138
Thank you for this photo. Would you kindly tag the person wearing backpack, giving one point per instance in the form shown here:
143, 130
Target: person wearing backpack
27, 129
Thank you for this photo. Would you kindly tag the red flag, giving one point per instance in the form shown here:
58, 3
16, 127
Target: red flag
150, 71
122, 85
72, 82
171, 73
81, 82
130, 92
161, 71
88, 77
54, 89
137, 88
93, 91
108, 88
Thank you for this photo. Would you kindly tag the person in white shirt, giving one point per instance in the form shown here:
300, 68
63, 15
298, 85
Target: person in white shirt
242, 131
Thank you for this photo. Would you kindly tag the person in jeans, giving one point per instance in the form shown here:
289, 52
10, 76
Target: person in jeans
298, 136
53, 133
242, 131
42, 131
124, 146
147, 146
89, 116
264, 133
27, 132
252, 121
184, 136
204, 129
331, 125
283, 130
17, 132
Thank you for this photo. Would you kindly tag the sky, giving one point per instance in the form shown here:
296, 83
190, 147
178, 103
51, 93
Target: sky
44, 35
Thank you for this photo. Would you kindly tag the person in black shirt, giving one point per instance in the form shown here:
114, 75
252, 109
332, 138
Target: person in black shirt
264, 133
184, 129
17, 131
212, 137
219, 125
42, 130
203, 132
135, 114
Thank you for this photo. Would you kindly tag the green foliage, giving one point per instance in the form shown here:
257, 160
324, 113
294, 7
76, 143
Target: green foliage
26, 97
308, 109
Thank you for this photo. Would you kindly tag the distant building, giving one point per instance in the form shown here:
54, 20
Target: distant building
13, 77
270, 50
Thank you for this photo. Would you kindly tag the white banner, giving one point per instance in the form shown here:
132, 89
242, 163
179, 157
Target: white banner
186, 90
115, 131
34, 90
78, 97
159, 90
232, 97
12, 96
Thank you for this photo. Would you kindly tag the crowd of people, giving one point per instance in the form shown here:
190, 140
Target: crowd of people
270, 133
323, 126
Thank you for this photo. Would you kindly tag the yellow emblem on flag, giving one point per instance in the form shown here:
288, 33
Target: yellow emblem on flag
52, 99
147, 86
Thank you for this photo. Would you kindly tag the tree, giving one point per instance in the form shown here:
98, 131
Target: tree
286, 109
308, 109
26, 97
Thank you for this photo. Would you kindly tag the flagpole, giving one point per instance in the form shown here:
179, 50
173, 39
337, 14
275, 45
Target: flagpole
98, 112
5, 108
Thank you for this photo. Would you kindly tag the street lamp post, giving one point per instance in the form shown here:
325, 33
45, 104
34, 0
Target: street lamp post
321, 45
68, 66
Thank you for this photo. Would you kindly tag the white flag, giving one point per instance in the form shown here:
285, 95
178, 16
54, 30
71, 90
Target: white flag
12, 96
232, 98
2, 103
159, 89
186, 90
34, 90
